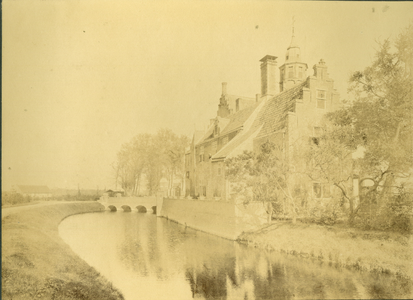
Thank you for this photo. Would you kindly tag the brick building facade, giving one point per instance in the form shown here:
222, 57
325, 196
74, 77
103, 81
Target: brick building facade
290, 106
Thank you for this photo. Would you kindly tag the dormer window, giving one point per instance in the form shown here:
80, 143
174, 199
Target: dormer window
286, 58
237, 105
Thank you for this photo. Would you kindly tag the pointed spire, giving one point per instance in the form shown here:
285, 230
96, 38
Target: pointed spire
293, 43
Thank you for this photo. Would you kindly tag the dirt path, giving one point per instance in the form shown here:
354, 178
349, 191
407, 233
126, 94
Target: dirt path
6, 211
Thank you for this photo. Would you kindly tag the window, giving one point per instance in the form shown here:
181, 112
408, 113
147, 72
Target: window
290, 72
317, 134
203, 191
219, 171
321, 190
187, 174
216, 130
321, 99
201, 154
300, 72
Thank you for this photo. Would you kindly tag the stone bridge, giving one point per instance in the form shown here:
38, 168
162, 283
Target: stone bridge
128, 204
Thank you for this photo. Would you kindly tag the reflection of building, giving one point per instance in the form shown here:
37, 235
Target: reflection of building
290, 106
35, 191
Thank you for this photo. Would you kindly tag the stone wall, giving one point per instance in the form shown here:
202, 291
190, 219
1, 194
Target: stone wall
216, 217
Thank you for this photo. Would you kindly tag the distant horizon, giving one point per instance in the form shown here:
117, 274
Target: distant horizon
62, 188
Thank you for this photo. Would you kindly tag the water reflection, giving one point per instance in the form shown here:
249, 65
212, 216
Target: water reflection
152, 258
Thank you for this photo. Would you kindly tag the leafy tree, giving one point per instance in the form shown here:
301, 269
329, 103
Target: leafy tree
380, 118
152, 155
172, 155
330, 162
265, 177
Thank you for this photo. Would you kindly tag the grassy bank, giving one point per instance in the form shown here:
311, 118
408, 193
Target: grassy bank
37, 264
381, 252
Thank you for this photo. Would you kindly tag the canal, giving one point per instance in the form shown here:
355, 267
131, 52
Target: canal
146, 257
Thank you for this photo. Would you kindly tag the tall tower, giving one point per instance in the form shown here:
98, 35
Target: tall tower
223, 107
293, 71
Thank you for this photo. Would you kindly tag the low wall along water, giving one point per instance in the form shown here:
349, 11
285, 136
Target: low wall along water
225, 219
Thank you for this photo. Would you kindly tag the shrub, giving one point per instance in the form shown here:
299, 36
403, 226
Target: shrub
325, 211
12, 198
395, 215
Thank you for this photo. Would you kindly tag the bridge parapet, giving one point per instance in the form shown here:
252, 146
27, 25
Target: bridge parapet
140, 204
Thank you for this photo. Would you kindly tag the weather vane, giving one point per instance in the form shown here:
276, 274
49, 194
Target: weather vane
293, 24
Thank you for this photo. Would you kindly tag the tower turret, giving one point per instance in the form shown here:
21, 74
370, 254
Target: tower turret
223, 107
293, 71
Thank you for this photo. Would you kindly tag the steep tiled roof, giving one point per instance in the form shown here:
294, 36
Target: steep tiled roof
232, 145
270, 116
198, 134
274, 115
238, 119
34, 189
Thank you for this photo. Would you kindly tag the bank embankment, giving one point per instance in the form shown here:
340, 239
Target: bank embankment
38, 264
380, 252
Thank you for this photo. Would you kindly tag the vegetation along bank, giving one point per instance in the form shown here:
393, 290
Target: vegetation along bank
38, 264
375, 251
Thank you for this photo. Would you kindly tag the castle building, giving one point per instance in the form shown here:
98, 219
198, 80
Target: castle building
291, 105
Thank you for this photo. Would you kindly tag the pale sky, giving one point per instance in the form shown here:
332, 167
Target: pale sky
82, 77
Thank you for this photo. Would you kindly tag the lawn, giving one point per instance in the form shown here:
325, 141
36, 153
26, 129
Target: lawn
37, 264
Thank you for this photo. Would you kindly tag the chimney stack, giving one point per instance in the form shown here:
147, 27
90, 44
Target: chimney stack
224, 88
269, 76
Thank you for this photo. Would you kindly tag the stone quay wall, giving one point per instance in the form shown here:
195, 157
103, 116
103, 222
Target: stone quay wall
224, 219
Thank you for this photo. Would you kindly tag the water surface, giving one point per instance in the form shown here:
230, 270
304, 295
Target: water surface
146, 257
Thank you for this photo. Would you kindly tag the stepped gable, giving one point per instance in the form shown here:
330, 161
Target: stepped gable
274, 115
243, 102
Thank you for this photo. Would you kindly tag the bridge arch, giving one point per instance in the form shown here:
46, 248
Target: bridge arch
112, 208
126, 208
141, 209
